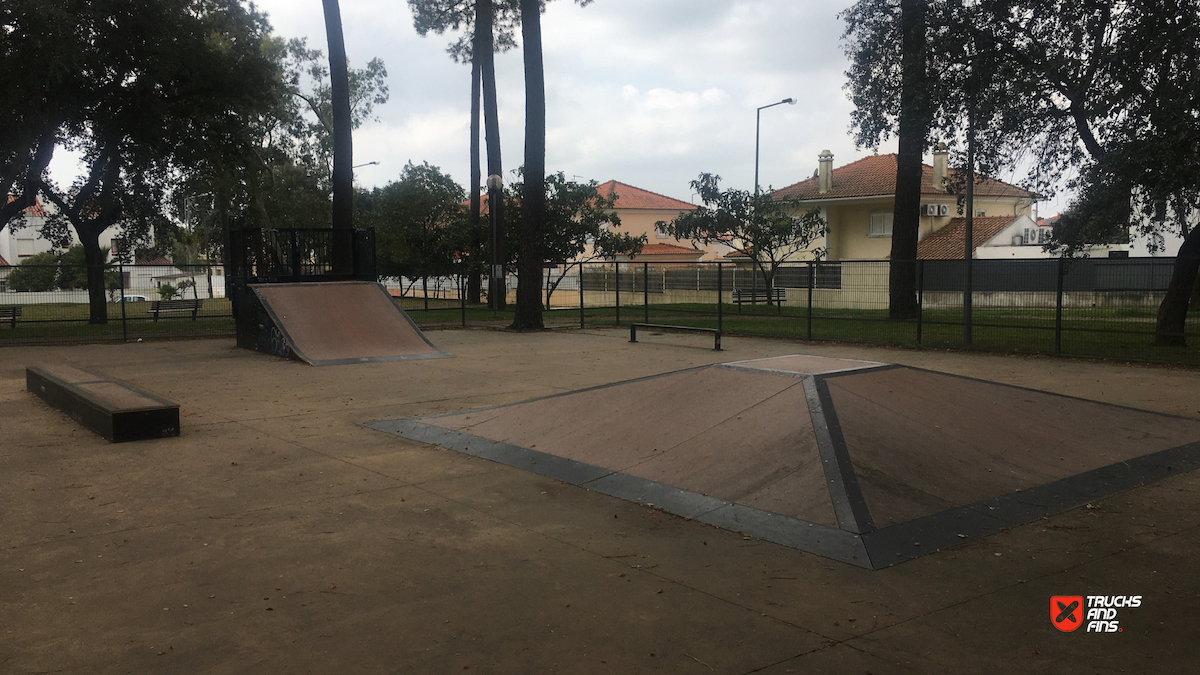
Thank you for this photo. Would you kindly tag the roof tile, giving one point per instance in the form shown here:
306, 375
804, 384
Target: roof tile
36, 210
948, 243
876, 175
630, 197
668, 249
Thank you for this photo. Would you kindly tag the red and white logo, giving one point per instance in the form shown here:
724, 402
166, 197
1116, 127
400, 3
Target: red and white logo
1066, 612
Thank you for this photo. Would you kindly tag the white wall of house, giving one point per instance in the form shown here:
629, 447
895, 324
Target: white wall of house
21, 239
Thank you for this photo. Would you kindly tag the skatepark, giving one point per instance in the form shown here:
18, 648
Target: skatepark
280, 531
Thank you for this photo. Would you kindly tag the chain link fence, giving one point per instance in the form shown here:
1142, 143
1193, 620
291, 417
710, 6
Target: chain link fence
48, 304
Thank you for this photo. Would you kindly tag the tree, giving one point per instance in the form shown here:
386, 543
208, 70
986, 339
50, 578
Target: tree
343, 139
765, 231
282, 177
528, 314
890, 85
484, 23
420, 223
43, 92
38, 272
1112, 95
578, 225
162, 83
1104, 91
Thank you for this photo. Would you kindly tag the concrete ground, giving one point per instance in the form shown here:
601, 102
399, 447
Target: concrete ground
278, 535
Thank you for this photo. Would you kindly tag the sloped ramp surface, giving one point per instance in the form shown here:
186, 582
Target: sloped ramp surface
864, 462
337, 323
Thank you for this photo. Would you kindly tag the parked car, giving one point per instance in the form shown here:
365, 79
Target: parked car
134, 298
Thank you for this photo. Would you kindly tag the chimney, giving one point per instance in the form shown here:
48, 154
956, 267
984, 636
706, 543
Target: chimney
940, 156
825, 172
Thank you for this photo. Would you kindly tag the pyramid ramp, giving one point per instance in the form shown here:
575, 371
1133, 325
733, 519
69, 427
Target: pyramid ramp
867, 463
332, 323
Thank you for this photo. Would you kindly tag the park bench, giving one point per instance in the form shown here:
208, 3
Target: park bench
755, 296
10, 314
115, 410
658, 326
175, 307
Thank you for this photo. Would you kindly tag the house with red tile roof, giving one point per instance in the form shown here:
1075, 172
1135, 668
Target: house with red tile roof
991, 237
857, 201
641, 209
657, 254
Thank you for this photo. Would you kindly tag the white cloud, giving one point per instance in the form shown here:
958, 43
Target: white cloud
650, 93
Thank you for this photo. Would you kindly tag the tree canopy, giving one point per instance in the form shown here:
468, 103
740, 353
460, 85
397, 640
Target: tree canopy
579, 225
1099, 97
766, 231
142, 90
419, 221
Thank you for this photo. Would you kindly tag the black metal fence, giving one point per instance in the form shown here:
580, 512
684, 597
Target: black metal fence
300, 254
1101, 308
48, 304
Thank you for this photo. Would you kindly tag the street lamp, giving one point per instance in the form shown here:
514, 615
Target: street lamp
367, 164
757, 127
494, 185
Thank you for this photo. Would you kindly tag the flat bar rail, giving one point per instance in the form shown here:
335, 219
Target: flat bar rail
686, 329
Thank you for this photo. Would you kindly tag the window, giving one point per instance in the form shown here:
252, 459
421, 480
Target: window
659, 234
881, 224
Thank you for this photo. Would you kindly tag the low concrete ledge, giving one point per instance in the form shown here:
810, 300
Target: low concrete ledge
117, 411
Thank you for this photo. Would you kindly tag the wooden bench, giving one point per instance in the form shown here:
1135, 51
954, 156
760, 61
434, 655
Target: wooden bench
658, 326
741, 295
10, 314
175, 307
115, 410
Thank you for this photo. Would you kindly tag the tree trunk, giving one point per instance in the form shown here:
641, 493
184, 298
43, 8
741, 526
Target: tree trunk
93, 258
914, 127
473, 273
1172, 313
533, 200
491, 121
343, 142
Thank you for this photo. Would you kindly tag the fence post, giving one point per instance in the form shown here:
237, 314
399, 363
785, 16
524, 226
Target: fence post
124, 322
581, 295
617, 287
967, 303
812, 275
295, 242
1058, 305
646, 292
720, 298
920, 297
425, 291
462, 298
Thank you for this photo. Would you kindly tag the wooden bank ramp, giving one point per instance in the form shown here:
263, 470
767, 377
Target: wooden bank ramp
863, 462
337, 323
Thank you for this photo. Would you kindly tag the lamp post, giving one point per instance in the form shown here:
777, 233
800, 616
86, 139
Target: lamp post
757, 134
365, 164
494, 185
757, 128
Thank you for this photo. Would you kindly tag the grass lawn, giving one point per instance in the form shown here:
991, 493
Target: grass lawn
1121, 334
68, 322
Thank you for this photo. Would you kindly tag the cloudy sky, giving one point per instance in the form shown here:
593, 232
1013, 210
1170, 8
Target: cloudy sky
648, 92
